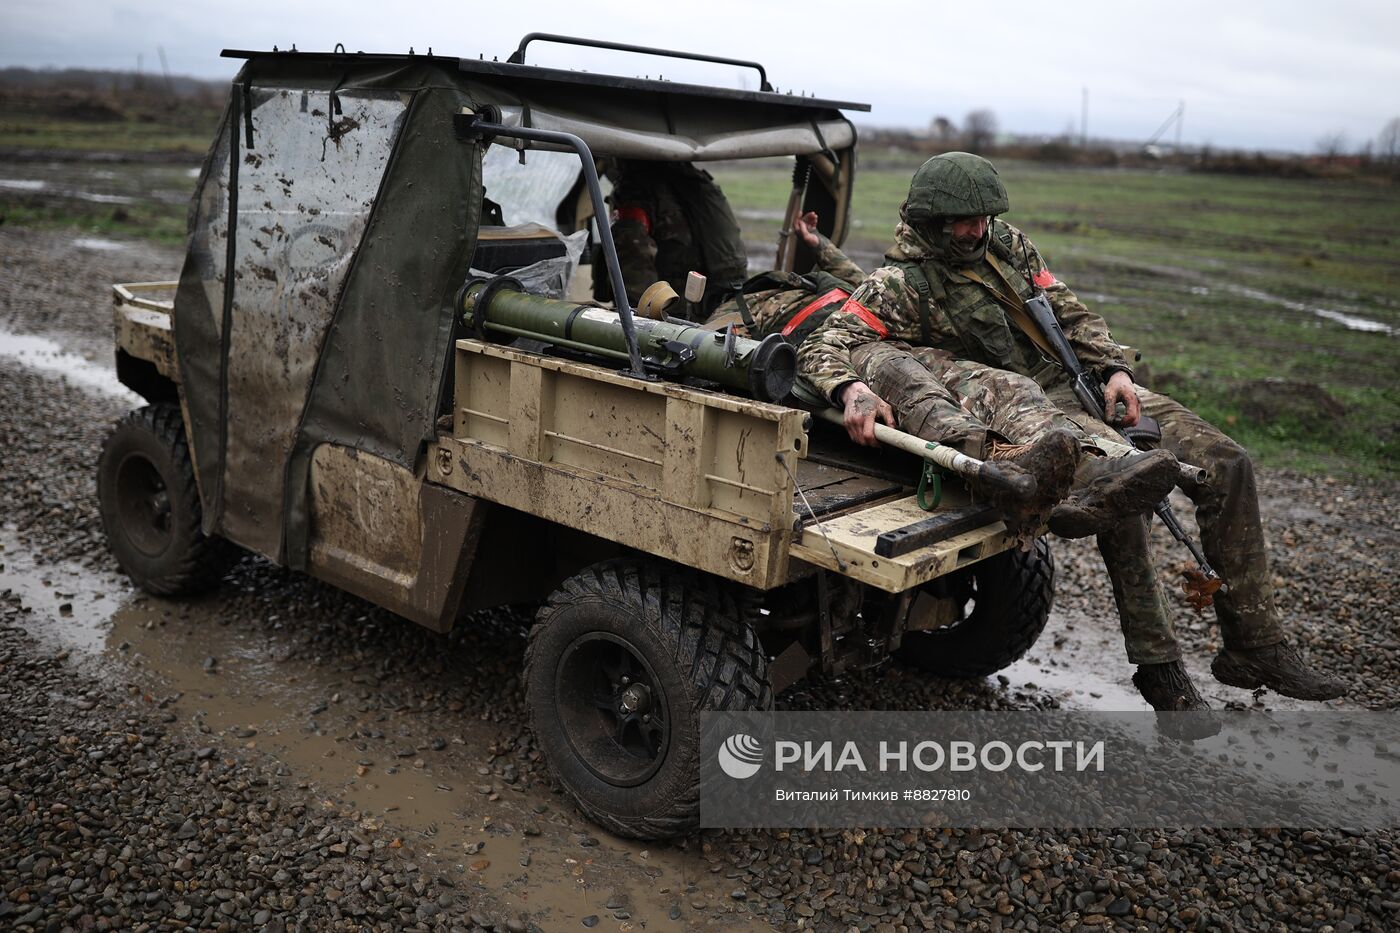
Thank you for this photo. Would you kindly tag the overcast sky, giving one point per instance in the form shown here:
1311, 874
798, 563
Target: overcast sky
1277, 75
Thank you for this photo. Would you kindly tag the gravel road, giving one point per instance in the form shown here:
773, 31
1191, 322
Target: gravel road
280, 754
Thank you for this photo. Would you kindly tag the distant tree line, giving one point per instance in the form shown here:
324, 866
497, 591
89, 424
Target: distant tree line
978, 132
89, 79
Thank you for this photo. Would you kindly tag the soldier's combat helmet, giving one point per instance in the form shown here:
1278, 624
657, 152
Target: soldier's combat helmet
955, 184
949, 186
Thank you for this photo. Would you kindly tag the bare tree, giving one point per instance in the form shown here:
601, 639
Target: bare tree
979, 130
942, 130
1332, 145
1388, 142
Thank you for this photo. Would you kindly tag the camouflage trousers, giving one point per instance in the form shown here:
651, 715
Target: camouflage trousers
956, 402
963, 404
1232, 536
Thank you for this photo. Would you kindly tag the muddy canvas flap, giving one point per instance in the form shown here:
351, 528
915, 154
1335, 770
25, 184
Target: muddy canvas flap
379, 379
197, 324
333, 323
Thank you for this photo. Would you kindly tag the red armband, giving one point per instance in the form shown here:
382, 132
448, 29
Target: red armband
635, 214
861, 311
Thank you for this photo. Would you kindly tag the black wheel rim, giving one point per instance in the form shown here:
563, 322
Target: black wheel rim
143, 505
613, 709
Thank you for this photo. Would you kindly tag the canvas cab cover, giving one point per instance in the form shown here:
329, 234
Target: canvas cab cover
336, 215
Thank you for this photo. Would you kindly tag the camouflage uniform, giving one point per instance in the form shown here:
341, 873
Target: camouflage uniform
956, 402
771, 296
964, 320
670, 219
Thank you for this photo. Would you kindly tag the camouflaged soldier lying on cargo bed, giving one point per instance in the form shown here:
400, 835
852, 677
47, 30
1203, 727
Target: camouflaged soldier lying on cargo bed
790, 304
953, 283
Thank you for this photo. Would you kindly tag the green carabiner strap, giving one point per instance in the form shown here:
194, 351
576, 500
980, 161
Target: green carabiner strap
930, 476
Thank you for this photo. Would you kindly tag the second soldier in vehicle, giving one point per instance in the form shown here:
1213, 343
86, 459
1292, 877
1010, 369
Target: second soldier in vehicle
669, 219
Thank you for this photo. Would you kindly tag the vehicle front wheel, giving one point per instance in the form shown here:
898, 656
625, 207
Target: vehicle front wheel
150, 505
999, 608
622, 660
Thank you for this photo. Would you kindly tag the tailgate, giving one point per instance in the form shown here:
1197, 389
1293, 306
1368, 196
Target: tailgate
895, 545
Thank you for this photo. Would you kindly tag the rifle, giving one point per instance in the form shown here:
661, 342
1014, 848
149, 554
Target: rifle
787, 237
1201, 584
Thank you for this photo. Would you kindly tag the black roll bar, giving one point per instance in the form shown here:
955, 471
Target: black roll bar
518, 56
475, 125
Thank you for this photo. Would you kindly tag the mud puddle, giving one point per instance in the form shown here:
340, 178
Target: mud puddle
108, 183
46, 356
1349, 321
99, 244
37, 186
417, 778
71, 606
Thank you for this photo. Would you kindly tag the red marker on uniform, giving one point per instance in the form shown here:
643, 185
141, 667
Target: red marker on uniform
861, 311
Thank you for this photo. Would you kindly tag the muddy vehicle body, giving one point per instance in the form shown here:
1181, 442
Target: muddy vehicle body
321, 392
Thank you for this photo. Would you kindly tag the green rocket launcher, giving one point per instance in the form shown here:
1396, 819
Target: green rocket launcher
499, 308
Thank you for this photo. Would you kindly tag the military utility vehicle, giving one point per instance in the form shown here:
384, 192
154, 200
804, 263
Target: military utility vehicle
352, 378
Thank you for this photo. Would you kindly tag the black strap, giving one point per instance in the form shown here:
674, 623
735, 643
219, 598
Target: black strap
821, 141
743, 306
920, 281
334, 107
247, 113
214, 516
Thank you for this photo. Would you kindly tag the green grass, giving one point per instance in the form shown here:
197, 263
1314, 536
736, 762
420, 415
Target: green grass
148, 220
1211, 278
134, 123
126, 136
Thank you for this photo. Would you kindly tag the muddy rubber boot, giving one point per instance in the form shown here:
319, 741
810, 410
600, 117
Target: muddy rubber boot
1278, 667
1049, 461
1107, 490
1168, 688
1052, 460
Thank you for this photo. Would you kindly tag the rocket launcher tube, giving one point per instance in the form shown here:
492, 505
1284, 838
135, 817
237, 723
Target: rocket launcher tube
763, 369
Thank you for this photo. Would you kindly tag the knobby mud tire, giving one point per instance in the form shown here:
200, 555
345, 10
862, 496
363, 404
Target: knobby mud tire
1015, 590
190, 561
691, 632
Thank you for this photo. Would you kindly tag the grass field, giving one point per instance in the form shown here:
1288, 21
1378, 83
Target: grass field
148, 123
1235, 289
1229, 286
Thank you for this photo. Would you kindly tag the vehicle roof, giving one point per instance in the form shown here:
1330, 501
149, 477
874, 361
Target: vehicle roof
538, 75
638, 118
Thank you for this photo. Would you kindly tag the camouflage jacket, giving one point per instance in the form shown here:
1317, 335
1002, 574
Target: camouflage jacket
668, 220
963, 317
833, 269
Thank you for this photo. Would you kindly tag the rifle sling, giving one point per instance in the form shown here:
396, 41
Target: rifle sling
1014, 306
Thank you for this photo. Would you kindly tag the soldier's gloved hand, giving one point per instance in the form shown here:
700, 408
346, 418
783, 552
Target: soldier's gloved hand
1119, 388
862, 407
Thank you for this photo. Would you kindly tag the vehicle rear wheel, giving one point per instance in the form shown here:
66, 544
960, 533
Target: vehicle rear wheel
622, 660
1002, 604
150, 505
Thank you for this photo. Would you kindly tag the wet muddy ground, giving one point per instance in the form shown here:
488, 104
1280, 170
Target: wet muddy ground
280, 753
